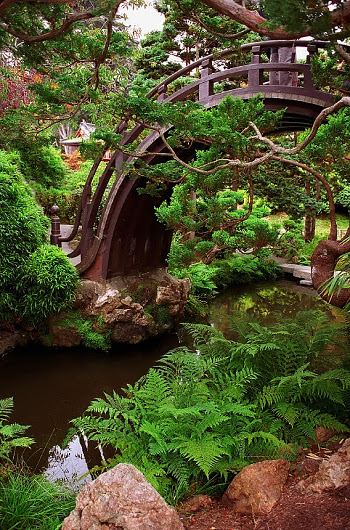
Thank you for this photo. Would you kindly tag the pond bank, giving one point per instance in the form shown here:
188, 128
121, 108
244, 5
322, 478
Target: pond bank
126, 309
301, 273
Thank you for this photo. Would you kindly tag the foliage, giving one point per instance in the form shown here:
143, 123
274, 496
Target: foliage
48, 282
207, 412
190, 31
33, 502
234, 270
94, 334
283, 189
10, 434
79, 58
344, 197
204, 204
42, 164
66, 194
330, 147
291, 240
296, 16
35, 279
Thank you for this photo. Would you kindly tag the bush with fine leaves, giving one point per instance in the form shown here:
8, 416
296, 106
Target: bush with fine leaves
35, 279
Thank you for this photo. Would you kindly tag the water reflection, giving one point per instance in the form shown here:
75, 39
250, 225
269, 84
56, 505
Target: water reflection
68, 465
268, 302
50, 387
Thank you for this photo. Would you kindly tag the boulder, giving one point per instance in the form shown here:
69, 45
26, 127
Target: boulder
257, 488
333, 473
132, 306
121, 499
64, 336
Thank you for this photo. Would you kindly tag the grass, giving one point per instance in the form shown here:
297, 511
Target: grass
323, 224
33, 503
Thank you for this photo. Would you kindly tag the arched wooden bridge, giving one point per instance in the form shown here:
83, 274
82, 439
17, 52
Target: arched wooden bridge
128, 237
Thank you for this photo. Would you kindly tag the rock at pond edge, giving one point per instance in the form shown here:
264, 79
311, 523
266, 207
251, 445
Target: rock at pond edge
121, 498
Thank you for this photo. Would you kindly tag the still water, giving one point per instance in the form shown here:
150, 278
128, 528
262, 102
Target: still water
50, 386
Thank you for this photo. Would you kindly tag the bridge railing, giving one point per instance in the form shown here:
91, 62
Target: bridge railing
252, 79
252, 75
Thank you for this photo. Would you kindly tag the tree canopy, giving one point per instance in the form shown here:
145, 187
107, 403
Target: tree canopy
290, 19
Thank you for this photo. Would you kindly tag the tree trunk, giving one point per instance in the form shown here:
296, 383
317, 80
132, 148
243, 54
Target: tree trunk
211, 254
310, 218
323, 262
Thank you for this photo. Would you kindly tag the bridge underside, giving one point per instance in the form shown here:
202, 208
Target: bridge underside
133, 238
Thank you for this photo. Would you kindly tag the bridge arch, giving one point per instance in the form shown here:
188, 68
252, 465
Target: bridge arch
128, 237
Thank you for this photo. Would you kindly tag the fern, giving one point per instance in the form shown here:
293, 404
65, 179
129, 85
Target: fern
205, 452
207, 411
11, 434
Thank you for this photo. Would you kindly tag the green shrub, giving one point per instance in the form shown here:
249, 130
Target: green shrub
67, 201
49, 281
206, 412
66, 194
35, 279
235, 270
42, 164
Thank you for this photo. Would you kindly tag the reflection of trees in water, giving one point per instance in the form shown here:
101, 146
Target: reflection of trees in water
69, 465
72, 465
268, 302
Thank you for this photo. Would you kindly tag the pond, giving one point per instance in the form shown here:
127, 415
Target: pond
51, 386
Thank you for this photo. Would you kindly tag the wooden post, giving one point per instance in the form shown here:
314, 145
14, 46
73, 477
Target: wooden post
308, 79
55, 227
255, 77
162, 93
89, 233
206, 89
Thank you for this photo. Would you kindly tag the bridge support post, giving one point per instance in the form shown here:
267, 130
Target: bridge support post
55, 227
308, 79
206, 89
255, 77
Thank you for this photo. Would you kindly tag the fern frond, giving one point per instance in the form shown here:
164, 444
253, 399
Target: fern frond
239, 409
287, 412
204, 452
269, 395
6, 408
201, 333
210, 421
